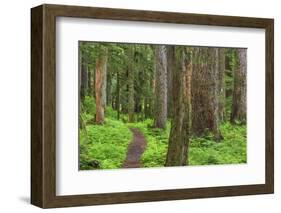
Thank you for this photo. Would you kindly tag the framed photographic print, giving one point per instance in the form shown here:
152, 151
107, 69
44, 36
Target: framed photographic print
136, 106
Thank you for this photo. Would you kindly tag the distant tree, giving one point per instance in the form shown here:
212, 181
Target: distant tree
90, 86
131, 102
116, 75
109, 88
160, 107
83, 74
118, 95
147, 88
238, 111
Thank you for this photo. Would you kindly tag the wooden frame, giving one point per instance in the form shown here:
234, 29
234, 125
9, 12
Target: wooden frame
43, 106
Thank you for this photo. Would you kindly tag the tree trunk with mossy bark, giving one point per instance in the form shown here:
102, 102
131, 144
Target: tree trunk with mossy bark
177, 154
160, 104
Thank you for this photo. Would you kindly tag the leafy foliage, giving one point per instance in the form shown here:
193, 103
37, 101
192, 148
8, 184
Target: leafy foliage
202, 151
89, 105
104, 146
231, 150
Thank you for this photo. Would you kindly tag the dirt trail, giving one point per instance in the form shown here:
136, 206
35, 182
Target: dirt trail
135, 150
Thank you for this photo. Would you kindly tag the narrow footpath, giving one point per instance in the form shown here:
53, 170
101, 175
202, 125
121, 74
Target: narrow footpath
135, 150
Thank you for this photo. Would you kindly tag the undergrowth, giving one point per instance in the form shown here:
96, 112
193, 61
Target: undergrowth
202, 150
105, 146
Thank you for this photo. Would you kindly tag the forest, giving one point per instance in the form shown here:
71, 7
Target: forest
148, 105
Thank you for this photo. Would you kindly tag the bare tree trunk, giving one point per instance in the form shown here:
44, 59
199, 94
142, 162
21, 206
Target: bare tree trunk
177, 154
222, 94
108, 89
214, 57
189, 70
131, 102
100, 85
238, 112
89, 81
199, 93
160, 109
94, 83
170, 64
205, 98
84, 78
104, 86
118, 96
145, 108
151, 99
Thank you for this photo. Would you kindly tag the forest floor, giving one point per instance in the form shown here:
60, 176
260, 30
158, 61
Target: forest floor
120, 144
135, 150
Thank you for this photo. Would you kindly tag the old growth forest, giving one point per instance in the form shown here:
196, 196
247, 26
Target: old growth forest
144, 105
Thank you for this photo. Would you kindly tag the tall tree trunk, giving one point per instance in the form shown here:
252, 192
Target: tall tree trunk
145, 108
94, 82
205, 99
100, 85
170, 64
238, 112
160, 109
151, 99
131, 102
89, 92
177, 154
215, 101
104, 85
189, 70
84, 78
108, 89
118, 96
222, 93
138, 104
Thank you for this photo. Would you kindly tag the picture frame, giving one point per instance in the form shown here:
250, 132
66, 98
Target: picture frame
43, 105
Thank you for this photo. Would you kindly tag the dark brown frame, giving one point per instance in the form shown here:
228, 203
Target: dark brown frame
43, 105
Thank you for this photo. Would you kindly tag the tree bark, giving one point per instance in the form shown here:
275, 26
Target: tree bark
131, 102
170, 65
100, 85
108, 90
104, 84
205, 98
222, 93
150, 100
90, 87
177, 154
160, 109
94, 82
84, 78
118, 96
214, 54
239, 102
